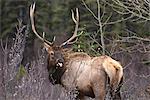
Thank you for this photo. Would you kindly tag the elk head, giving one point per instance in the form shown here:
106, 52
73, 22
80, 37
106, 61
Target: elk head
55, 52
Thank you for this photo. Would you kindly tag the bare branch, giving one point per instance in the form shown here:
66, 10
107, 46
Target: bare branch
89, 10
100, 27
137, 8
126, 39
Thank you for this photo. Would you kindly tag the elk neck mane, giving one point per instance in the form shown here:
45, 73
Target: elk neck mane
75, 55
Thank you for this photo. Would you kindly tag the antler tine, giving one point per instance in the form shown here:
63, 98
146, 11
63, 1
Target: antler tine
76, 21
32, 9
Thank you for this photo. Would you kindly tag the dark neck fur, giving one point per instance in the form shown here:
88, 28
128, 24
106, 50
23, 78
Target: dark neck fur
55, 74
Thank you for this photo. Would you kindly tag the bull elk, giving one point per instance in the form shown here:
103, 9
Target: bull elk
88, 74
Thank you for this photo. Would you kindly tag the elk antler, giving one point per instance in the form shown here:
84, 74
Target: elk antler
76, 21
32, 8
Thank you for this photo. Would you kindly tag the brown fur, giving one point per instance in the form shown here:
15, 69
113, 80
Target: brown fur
89, 74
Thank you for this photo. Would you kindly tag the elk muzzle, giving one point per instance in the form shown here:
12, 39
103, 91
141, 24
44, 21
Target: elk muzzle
59, 62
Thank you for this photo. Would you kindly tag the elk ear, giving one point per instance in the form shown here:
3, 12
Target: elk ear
46, 46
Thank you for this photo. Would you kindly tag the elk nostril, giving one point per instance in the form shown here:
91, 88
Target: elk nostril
61, 60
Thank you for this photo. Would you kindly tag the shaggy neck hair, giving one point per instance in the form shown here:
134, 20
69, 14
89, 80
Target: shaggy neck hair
55, 73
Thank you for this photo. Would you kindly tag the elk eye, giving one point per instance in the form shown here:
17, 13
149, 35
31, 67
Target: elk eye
52, 53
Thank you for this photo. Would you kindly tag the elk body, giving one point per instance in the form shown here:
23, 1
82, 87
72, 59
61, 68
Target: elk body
89, 75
